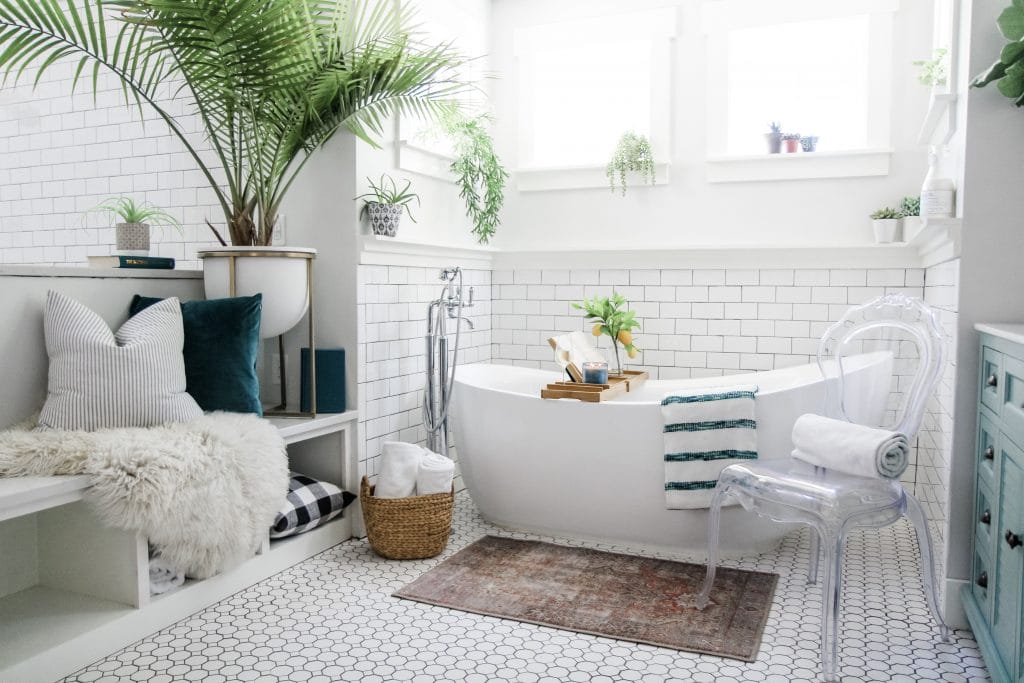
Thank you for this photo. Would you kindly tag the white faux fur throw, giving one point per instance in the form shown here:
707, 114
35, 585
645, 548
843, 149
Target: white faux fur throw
204, 492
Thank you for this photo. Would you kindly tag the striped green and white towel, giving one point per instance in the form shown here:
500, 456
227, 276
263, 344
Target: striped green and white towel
705, 430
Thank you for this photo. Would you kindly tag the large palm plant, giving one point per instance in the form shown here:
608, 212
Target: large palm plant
270, 80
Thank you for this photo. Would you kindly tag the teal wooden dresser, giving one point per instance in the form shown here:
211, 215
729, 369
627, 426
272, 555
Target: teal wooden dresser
993, 598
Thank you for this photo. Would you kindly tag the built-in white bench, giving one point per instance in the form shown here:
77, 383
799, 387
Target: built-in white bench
71, 589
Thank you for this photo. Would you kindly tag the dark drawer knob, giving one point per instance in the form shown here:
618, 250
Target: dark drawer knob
986, 517
1012, 539
990, 453
992, 381
982, 580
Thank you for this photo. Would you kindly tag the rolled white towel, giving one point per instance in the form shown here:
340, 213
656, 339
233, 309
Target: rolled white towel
852, 448
435, 474
399, 463
163, 577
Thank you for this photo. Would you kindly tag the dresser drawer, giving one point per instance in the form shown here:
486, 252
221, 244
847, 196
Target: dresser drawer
987, 447
981, 578
985, 514
991, 377
1008, 561
1012, 410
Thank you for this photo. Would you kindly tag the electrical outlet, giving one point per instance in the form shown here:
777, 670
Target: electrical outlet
279, 236
275, 369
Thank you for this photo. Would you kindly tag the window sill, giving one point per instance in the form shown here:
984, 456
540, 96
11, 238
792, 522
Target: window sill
416, 159
578, 178
798, 166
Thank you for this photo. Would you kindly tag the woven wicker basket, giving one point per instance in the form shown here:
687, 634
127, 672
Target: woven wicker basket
407, 528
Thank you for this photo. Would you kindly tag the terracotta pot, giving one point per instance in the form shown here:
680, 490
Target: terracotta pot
792, 145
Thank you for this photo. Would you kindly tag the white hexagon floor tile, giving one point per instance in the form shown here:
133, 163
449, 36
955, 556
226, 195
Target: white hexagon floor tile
332, 618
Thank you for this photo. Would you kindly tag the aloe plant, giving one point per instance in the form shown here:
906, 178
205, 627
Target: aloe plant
270, 80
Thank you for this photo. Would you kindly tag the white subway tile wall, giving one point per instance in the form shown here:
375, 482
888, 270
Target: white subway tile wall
935, 443
62, 155
392, 322
695, 323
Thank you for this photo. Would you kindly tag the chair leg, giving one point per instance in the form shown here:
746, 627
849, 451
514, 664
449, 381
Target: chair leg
812, 565
831, 593
714, 515
924, 542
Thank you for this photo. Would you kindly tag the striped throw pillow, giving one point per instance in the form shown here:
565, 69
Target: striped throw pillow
100, 379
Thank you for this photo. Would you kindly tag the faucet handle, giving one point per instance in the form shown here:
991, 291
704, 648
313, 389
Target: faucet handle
469, 302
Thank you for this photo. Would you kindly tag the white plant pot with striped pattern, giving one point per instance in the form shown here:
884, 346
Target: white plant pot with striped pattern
278, 273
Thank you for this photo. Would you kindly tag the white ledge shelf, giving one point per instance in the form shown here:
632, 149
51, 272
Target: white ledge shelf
86, 272
936, 240
580, 178
798, 166
896, 255
376, 250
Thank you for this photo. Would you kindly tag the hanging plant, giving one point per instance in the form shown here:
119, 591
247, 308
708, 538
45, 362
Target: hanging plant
632, 154
479, 173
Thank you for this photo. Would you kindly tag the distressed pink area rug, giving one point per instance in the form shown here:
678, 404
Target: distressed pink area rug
639, 599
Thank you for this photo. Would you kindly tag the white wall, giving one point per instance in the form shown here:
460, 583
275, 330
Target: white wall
61, 155
689, 211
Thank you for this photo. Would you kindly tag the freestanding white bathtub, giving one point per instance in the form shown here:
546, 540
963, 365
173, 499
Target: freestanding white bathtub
595, 471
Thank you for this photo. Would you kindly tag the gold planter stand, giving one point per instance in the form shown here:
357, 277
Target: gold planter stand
281, 410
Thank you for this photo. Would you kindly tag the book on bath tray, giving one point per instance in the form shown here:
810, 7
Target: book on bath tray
130, 261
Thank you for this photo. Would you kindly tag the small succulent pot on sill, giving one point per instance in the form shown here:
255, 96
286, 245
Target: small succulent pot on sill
385, 203
791, 141
910, 210
774, 137
809, 143
886, 224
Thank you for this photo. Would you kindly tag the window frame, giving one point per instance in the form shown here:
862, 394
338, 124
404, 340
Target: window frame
661, 34
873, 160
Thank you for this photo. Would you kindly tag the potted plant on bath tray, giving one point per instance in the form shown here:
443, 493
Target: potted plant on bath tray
611, 318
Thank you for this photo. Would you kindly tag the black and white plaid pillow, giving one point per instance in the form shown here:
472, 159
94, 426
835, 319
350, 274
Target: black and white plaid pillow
310, 503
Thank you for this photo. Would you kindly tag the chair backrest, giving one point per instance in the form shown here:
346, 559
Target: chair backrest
907, 328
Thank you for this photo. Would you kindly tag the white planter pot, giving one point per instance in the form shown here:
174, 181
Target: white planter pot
278, 273
132, 239
886, 230
911, 227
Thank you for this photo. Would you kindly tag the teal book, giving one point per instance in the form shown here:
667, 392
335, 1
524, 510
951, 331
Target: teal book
124, 261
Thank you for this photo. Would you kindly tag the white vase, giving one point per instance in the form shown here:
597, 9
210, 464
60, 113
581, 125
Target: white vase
886, 230
278, 273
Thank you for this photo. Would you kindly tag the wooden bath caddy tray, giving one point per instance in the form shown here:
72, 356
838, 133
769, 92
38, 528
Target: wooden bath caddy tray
593, 393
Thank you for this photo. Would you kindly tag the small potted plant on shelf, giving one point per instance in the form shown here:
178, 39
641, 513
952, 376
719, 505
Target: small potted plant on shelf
610, 317
385, 204
633, 153
910, 212
774, 137
886, 224
791, 142
809, 143
132, 233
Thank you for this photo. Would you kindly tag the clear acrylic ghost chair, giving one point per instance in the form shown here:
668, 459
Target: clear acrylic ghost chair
832, 503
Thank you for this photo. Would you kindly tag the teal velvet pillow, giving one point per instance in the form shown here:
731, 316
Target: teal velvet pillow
222, 339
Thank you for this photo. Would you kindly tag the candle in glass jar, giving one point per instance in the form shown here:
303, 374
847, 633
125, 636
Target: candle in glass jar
595, 372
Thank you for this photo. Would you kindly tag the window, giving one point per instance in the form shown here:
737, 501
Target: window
581, 85
821, 69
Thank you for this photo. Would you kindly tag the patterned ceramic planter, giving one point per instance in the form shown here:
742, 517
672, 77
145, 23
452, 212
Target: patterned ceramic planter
384, 218
132, 238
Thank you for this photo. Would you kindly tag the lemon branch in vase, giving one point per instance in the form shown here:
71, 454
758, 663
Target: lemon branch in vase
610, 317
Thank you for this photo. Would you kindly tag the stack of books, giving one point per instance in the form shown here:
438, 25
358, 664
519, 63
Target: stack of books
126, 261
